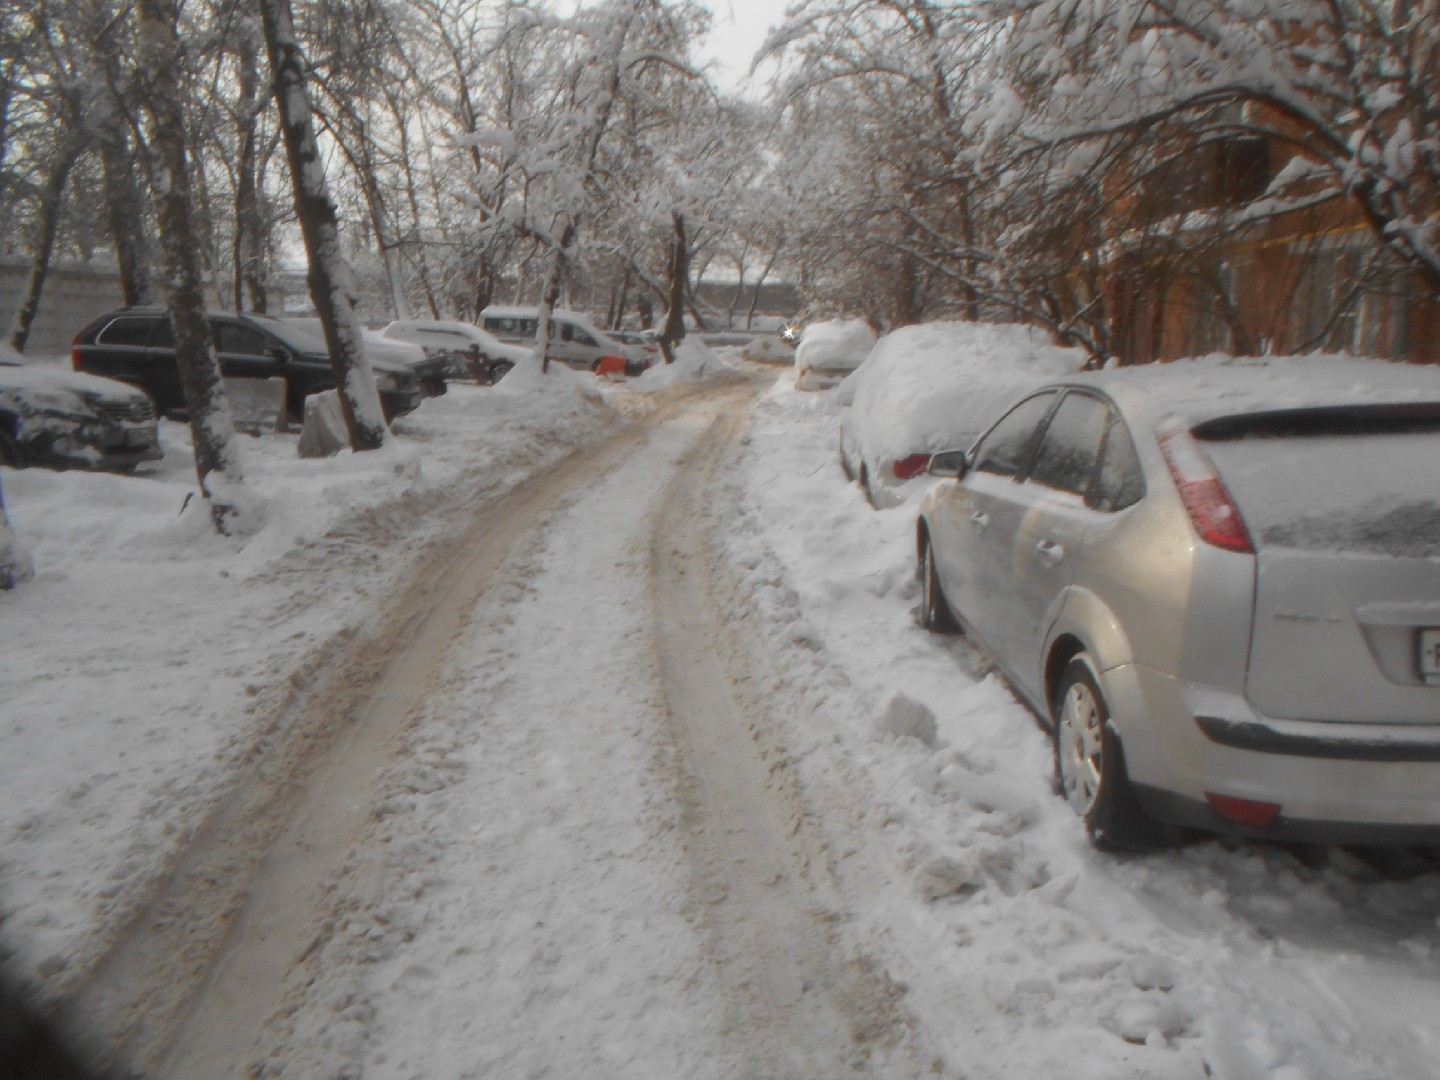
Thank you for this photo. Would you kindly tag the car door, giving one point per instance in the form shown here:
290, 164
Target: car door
244, 352
1049, 517
974, 516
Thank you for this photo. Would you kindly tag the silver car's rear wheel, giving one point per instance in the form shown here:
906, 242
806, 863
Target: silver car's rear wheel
1080, 745
1090, 766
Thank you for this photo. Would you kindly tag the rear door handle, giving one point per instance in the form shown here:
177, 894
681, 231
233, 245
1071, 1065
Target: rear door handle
980, 520
1051, 554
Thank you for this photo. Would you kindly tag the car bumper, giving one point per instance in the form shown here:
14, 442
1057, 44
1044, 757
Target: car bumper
1333, 782
90, 448
401, 402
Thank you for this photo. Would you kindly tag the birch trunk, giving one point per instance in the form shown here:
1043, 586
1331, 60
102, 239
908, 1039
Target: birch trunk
329, 276
217, 454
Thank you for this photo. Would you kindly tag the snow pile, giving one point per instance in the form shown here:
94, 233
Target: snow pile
939, 385
694, 362
834, 346
142, 661
768, 349
562, 382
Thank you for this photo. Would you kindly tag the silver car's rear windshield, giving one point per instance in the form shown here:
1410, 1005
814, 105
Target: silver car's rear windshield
1358, 479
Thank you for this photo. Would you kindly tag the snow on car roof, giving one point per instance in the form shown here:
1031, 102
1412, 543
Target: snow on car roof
1218, 385
936, 386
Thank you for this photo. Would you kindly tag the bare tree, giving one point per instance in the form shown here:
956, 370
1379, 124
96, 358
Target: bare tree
329, 276
217, 455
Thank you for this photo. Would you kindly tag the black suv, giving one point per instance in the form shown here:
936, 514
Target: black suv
137, 346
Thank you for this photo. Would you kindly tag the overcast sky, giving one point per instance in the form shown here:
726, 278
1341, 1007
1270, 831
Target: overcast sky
740, 29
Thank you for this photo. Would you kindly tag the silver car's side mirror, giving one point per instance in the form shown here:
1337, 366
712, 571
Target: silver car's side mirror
948, 464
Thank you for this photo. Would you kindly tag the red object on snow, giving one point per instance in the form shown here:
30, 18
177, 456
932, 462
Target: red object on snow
611, 367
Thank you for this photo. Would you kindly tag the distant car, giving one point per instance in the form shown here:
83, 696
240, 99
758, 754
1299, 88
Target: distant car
58, 419
136, 346
470, 352
829, 351
933, 387
642, 349
574, 340
1220, 582
429, 371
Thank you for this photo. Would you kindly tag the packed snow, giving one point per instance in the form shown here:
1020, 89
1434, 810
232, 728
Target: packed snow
519, 904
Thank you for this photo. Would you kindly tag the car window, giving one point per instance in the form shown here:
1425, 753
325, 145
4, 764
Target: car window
1071, 444
162, 334
239, 340
1120, 482
582, 338
1005, 449
128, 330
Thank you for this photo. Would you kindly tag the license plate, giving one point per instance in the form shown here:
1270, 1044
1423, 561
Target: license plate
1430, 654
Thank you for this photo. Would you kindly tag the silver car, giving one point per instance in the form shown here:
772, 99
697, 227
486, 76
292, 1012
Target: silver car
1220, 582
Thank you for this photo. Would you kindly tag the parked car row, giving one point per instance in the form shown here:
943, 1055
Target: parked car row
137, 346
1217, 582
104, 414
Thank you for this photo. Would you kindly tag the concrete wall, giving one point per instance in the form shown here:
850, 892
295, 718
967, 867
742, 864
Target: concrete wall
73, 295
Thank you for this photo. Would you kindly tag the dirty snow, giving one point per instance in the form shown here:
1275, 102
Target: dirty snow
133, 661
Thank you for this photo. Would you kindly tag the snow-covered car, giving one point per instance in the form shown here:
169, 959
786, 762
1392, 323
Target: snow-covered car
469, 352
829, 351
1220, 582
65, 420
933, 387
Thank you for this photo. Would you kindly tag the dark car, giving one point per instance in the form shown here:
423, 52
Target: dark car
60, 420
137, 346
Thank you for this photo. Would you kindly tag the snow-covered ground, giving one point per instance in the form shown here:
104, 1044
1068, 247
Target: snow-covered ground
524, 898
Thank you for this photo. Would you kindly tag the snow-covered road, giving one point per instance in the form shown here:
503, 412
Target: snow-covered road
635, 764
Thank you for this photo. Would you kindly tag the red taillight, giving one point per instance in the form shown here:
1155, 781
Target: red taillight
75, 353
1246, 813
1213, 513
907, 468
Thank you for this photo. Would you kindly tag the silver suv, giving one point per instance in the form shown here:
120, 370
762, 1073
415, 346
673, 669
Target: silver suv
1220, 581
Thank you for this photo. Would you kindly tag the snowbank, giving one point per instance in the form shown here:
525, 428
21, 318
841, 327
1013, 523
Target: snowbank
131, 682
694, 362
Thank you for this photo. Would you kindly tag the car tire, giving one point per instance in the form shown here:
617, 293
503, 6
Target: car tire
1090, 766
9, 450
935, 613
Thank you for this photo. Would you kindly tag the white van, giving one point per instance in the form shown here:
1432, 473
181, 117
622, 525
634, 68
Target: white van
574, 339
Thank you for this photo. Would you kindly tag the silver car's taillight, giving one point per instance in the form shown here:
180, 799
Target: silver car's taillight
1212, 511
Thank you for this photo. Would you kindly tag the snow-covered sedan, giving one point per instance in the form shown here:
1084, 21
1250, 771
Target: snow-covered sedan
65, 420
933, 387
1221, 581
829, 351
471, 353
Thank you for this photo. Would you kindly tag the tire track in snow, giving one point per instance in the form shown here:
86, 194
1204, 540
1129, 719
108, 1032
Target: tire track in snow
802, 1005
188, 986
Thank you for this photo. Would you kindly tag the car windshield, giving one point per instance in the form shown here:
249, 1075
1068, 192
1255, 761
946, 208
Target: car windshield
1359, 480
